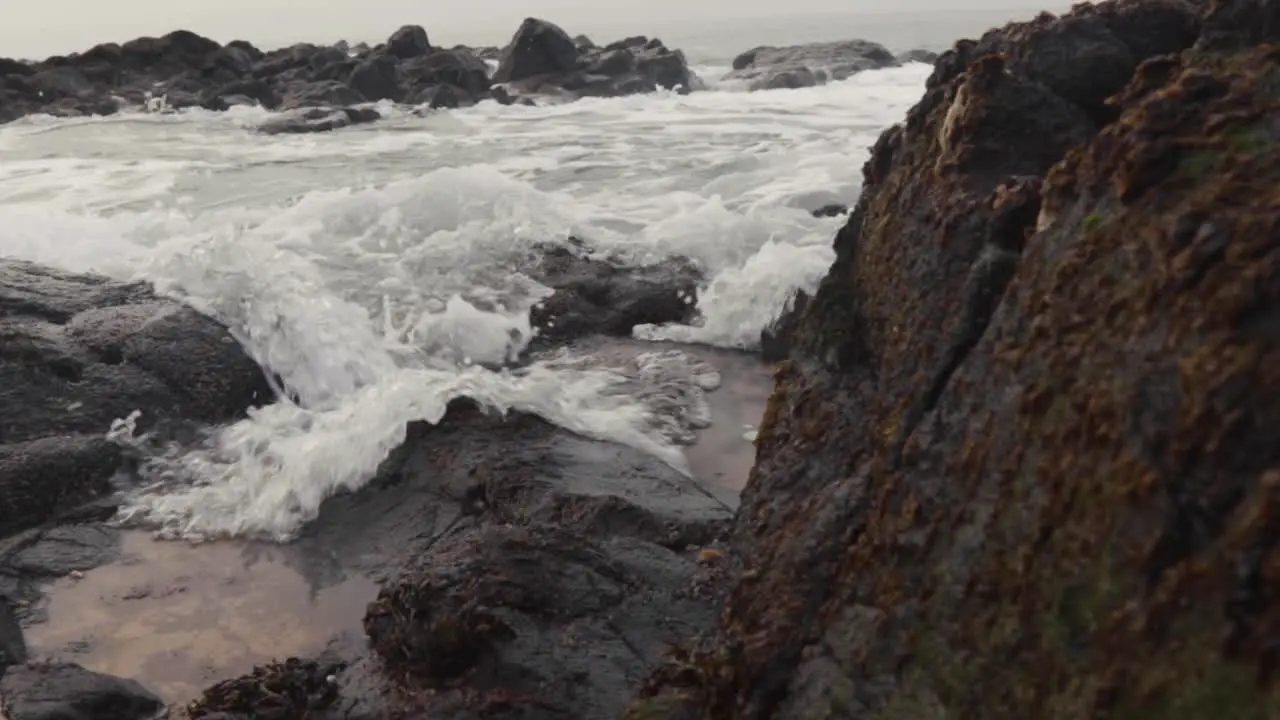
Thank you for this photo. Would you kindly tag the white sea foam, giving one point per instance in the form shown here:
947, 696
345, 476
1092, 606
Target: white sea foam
373, 269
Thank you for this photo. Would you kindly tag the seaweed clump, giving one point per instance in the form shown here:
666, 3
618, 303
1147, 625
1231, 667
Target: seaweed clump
288, 690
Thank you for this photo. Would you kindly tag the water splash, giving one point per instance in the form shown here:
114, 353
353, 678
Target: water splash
375, 270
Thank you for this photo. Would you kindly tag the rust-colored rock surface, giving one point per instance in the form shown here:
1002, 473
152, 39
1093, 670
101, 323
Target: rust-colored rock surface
1024, 458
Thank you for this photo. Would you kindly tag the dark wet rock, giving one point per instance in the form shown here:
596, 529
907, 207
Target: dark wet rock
599, 296
435, 97
377, 78
1023, 445
60, 551
170, 54
291, 689
543, 60
927, 57
281, 61
456, 68
516, 608
319, 119
13, 648
330, 93
64, 691
529, 571
1087, 56
78, 352
831, 210
771, 68
409, 41
232, 62
538, 48
560, 579
776, 339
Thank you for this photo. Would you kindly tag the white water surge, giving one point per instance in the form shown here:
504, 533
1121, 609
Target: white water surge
373, 267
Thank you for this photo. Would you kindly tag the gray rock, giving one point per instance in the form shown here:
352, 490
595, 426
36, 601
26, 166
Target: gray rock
927, 57
538, 48
408, 42
59, 551
377, 78
769, 68
457, 67
330, 93
78, 352
65, 691
597, 297
532, 560
314, 120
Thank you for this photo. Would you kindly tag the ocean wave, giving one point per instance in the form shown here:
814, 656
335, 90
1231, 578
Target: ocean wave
377, 272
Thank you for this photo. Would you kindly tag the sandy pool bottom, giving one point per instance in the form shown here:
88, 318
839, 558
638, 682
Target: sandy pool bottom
179, 617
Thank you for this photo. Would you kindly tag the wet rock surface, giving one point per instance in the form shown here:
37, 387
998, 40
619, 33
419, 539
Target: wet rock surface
542, 59
77, 353
183, 69
58, 691
529, 572
13, 648
1020, 461
598, 295
797, 66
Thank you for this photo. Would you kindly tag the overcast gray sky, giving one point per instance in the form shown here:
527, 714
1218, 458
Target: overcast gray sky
44, 27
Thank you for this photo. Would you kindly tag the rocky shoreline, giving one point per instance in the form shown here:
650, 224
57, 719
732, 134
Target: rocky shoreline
1019, 461
322, 88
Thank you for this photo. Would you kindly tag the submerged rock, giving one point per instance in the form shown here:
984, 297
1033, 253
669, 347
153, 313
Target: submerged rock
61, 691
77, 353
1021, 461
927, 57
796, 66
318, 119
831, 210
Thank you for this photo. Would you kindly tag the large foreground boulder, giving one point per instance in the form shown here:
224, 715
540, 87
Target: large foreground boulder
77, 353
530, 573
1021, 461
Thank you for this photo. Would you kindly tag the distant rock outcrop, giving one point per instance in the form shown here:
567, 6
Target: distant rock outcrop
183, 70
542, 58
797, 66
1021, 460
